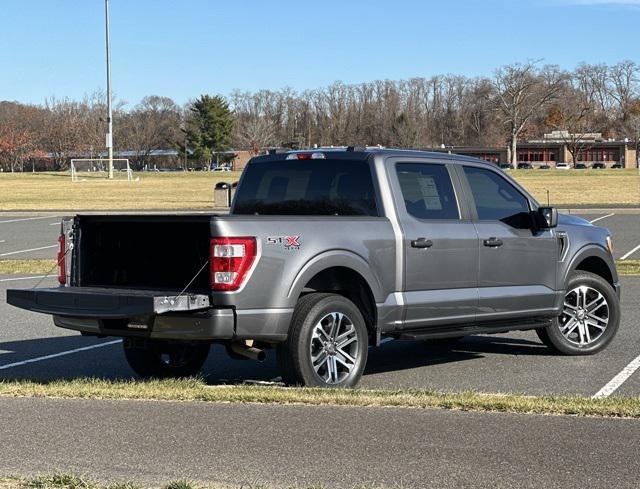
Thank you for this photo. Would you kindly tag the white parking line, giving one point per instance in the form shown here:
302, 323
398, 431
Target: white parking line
54, 224
27, 251
25, 278
602, 217
627, 255
28, 219
56, 355
619, 379
3, 240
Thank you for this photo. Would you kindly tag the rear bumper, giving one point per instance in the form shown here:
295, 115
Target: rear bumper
213, 324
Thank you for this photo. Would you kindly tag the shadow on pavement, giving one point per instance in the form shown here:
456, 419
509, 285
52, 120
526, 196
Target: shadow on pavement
108, 362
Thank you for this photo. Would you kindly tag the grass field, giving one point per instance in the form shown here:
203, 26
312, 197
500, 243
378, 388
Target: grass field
580, 187
56, 191
194, 190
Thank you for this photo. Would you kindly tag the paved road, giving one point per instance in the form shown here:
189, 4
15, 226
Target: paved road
155, 442
516, 362
20, 235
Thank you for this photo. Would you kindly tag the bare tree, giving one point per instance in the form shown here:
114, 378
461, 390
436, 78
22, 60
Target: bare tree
152, 125
523, 90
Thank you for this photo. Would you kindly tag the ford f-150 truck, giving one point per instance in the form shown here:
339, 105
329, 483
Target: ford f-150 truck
325, 253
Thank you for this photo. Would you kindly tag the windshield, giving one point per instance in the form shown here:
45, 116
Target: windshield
307, 187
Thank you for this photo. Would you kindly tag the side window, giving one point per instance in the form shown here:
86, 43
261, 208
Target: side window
427, 191
496, 198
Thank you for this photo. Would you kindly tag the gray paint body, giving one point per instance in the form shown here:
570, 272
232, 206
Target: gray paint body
456, 282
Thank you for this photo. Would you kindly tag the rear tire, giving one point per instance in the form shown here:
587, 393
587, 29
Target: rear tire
589, 320
162, 359
327, 344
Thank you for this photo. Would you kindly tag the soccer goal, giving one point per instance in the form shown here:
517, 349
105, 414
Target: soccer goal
83, 169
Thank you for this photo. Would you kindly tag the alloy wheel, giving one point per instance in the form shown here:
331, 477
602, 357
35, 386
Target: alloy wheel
334, 347
585, 315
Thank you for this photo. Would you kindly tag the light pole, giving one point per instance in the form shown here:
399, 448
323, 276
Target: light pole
109, 137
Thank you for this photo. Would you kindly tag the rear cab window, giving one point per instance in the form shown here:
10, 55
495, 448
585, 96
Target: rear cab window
322, 187
427, 191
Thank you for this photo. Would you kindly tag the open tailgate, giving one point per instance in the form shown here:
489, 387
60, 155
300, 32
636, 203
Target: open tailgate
93, 302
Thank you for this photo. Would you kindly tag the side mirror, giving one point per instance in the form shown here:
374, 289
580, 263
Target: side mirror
547, 217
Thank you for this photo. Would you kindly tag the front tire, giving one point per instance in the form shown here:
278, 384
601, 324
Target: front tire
589, 320
163, 359
327, 344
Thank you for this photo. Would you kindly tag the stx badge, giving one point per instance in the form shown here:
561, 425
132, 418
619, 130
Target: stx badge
289, 242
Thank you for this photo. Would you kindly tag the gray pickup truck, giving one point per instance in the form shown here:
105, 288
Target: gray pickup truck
327, 252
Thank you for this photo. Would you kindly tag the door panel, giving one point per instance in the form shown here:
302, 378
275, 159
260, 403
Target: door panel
440, 246
517, 264
519, 275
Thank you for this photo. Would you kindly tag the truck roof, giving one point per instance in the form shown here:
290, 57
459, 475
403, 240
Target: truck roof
363, 153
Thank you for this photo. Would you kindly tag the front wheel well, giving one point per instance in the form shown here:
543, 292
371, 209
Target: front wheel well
350, 284
597, 266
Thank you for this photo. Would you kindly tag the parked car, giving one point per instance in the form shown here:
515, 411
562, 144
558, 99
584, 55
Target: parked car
599, 165
562, 166
580, 166
505, 166
414, 246
544, 167
617, 165
525, 166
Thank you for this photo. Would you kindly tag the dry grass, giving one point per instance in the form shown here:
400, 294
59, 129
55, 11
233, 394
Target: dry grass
194, 190
56, 191
61, 480
628, 267
582, 187
27, 266
198, 390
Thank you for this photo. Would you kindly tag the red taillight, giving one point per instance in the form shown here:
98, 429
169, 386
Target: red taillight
231, 259
62, 269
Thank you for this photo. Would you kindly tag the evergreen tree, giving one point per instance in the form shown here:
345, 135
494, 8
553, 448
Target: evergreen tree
209, 127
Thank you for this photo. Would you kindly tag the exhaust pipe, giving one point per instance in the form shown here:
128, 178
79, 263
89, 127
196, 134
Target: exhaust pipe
250, 352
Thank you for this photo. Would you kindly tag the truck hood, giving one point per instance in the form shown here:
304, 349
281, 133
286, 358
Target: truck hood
573, 220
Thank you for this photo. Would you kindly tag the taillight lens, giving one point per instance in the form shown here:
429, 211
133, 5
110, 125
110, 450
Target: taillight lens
62, 269
231, 260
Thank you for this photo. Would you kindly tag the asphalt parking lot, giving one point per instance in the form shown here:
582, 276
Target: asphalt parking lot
31, 347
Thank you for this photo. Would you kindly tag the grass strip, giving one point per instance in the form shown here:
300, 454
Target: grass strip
628, 267
60, 480
26, 266
625, 267
198, 390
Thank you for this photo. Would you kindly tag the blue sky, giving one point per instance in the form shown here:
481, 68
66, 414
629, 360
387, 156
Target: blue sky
182, 49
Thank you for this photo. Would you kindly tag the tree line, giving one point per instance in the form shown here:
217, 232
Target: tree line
519, 101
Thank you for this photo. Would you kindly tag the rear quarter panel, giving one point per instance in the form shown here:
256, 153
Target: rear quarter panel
280, 272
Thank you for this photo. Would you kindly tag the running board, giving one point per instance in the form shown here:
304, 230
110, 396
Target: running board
494, 327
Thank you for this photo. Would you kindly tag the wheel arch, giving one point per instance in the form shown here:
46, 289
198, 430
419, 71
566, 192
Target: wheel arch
596, 260
343, 273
